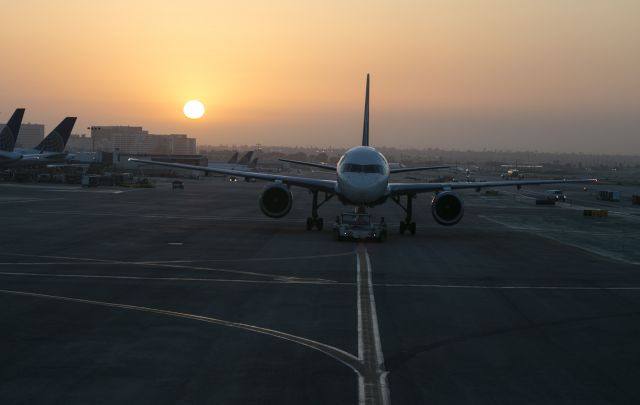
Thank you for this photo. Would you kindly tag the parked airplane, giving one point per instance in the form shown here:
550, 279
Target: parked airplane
234, 164
9, 135
362, 180
55, 142
49, 150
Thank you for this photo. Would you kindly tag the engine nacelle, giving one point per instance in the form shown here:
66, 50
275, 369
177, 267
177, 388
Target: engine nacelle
276, 201
447, 208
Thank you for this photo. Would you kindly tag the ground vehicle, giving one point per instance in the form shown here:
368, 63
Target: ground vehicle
556, 195
90, 180
177, 184
358, 226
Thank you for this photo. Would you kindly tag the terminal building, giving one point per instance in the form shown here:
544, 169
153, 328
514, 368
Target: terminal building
136, 140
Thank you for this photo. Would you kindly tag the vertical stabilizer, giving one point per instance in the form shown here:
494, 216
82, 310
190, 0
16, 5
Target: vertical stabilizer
246, 159
234, 158
58, 138
9, 133
365, 130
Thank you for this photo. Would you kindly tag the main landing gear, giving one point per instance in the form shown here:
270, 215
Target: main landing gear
407, 224
314, 221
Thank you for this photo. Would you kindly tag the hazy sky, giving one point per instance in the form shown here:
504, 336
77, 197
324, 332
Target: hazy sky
549, 75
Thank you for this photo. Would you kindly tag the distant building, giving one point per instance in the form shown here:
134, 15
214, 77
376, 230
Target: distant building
29, 135
80, 143
124, 138
136, 140
175, 144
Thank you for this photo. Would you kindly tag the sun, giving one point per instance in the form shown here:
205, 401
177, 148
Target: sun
193, 109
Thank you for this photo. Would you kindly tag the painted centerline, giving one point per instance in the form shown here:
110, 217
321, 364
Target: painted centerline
373, 387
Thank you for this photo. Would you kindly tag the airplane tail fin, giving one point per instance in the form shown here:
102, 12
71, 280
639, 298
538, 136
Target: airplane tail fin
365, 130
246, 158
9, 133
254, 163
234, 158
57, 139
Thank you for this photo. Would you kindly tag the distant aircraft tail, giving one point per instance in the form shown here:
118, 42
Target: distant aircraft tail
9, 133
234, 158
246, 158
58, 138
365, 130
254, 163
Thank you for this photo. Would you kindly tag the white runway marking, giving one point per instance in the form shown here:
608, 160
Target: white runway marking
514, 287
346, 358
291, 280
275, 277
373, 388
369, 365
27, 200
306, 281
547, 235
257, 259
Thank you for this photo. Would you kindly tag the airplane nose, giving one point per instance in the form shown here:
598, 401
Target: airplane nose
363, 188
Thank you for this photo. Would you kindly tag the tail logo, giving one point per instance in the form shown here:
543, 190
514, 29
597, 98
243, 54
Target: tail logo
7, 139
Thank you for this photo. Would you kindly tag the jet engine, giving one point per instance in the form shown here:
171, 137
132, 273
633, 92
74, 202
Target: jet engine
276, 201
447, 208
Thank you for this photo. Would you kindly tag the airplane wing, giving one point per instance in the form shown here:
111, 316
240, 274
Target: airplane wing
416, 169
318, 165
313, 184
415, 188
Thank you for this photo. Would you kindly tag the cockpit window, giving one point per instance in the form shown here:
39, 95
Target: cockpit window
355, 168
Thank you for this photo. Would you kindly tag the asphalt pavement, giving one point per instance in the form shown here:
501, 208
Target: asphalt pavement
161, 296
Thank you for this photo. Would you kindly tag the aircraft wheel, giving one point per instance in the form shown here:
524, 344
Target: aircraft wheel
309, 223
403, 227
319, 223
412, 228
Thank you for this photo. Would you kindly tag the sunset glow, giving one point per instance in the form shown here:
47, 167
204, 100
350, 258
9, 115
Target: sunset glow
491, 74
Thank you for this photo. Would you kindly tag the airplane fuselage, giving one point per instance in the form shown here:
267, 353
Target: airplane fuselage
362, 177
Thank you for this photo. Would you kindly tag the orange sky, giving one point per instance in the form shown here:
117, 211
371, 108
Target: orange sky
539, 75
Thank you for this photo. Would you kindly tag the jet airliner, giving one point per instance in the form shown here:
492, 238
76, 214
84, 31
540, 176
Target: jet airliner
362, 180
49, 150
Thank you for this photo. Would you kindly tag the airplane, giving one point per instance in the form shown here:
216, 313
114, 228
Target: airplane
244, 163
8, 137
49, 150
363, 180
55, 142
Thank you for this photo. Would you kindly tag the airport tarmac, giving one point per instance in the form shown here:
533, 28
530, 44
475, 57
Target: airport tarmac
160, 296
